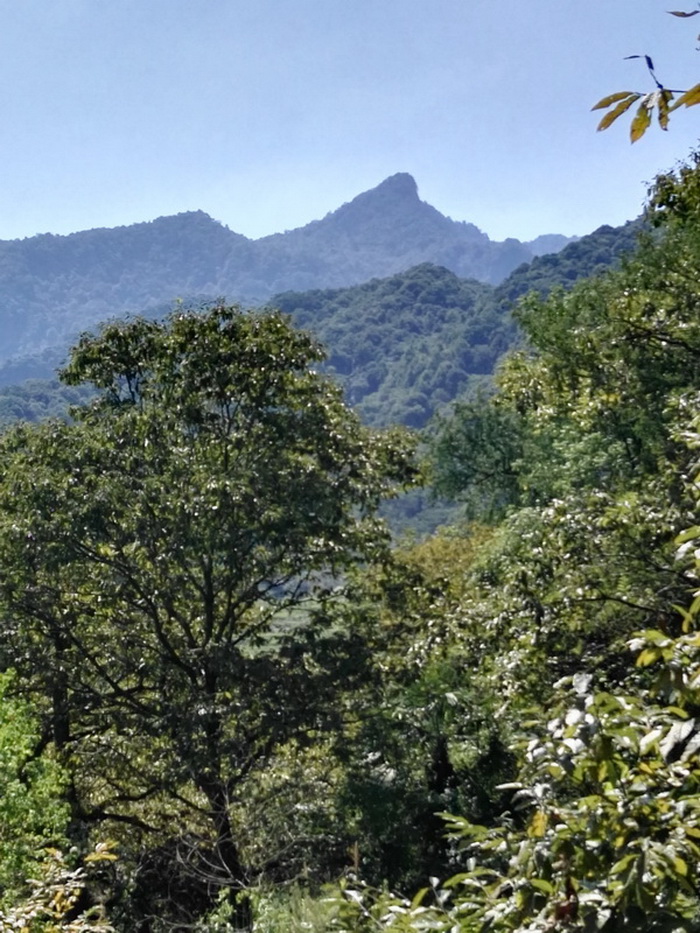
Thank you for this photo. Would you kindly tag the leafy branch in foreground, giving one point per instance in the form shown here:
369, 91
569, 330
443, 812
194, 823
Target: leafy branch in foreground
58, 902
662, 100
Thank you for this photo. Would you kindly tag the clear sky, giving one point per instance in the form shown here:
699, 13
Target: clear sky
267, 114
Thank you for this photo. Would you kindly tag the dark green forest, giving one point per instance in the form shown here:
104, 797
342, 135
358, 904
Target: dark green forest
232, 701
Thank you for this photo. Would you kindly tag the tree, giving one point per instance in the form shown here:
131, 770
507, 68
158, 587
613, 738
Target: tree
580, 442
603, 830
474, 456
170, 560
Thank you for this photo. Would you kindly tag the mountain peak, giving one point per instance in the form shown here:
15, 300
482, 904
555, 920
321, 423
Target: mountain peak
400, 185
398, 190
393, 200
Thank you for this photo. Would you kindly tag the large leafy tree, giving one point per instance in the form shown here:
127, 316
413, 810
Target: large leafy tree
580, 444
169, 563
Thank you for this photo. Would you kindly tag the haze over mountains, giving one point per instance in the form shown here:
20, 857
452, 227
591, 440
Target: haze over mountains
402, 297
53, 287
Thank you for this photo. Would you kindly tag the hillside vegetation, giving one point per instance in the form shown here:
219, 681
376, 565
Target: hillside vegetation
561, 647
242, 708
231, 701
54, 287
401, 347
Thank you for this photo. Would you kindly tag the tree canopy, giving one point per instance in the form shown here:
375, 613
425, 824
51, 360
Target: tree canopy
575, 621
169, 561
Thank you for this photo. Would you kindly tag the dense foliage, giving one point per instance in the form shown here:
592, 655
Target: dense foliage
577, 621
171, 559
589, 256
223, 689
402, 347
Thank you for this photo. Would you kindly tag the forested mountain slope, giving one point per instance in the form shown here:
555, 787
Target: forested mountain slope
54, 287
403, 346
400, 346
588, 256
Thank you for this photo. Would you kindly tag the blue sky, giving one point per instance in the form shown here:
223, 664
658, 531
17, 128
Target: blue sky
267, 114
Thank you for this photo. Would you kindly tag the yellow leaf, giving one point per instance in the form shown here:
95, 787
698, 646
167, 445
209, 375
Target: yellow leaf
616, 112
689, 99
611, 99
538, 825
642, 119
101, 857
647, 657
663, 99
680, 866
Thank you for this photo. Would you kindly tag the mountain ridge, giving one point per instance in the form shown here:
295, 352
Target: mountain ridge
400, 347
401, 185
53, 287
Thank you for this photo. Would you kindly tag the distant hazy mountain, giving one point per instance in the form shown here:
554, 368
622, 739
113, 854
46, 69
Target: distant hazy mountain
401, 347
549, 243
382, 232
53, 287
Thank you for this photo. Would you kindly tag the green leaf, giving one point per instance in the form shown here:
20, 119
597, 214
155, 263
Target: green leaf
657, 637
690, 533
418, 897
623, 863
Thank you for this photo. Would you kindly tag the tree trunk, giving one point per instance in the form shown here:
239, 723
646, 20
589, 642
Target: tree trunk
228, 856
